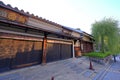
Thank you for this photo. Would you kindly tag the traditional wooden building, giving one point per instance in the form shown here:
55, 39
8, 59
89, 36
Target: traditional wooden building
87, 43
84, 43
27, 40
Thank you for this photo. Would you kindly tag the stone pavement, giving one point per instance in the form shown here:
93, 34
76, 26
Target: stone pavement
69, 69
113, 72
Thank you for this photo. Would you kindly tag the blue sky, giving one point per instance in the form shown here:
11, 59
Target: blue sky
72, 13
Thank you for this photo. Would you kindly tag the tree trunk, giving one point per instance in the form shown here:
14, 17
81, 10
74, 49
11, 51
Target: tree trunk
102, 44
114, 58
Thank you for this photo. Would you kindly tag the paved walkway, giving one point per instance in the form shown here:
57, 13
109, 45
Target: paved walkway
70, 69
113, 71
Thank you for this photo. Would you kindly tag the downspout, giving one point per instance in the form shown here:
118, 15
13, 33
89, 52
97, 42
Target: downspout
73, 49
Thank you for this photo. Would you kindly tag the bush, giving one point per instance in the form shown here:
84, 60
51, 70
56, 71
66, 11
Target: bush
97, 54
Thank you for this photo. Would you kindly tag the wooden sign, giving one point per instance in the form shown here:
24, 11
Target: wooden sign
22, 19
13, 16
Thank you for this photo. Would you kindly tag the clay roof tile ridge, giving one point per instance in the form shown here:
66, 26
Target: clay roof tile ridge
1, 3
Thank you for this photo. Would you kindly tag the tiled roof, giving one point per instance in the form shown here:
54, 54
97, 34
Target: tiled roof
8, 6
69, 28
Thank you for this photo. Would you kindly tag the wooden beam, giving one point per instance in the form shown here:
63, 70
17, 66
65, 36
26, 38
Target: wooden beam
26, 30
44, 49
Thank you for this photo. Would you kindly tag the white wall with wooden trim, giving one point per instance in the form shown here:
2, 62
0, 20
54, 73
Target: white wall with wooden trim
40, 24
75, 34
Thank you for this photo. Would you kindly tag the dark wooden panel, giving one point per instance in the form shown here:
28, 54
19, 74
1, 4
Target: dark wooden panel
87, 47
36, 53
4, 64
19, 53
56, 51
5, 54
66, 51
28, 52
53, 52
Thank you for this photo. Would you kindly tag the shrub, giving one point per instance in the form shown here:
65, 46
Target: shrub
97, 54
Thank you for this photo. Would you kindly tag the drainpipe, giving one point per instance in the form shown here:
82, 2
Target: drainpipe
73, 49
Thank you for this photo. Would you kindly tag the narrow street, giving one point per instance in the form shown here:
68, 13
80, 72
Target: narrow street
70, 69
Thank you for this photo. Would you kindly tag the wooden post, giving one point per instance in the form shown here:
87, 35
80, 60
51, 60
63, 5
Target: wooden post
44, 49
75, 47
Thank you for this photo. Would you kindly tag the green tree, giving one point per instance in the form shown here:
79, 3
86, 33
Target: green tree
106, 35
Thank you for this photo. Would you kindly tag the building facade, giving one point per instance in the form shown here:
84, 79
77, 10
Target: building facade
27, 40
